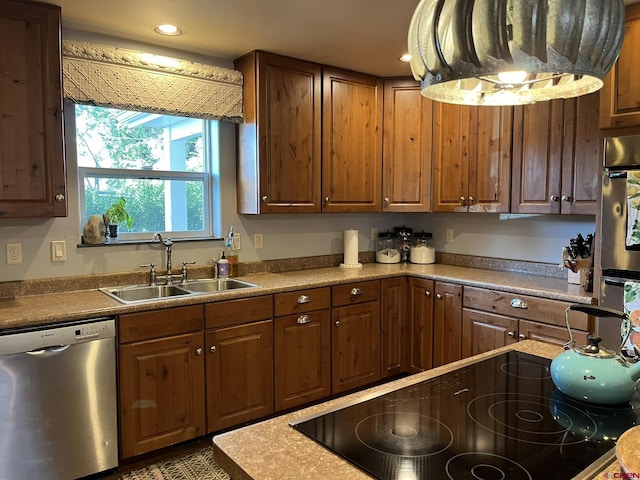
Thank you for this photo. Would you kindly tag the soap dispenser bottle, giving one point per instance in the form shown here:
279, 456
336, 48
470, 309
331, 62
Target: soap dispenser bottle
223, 267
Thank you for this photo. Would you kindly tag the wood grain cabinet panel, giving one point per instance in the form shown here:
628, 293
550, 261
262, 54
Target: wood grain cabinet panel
395, 332
472, 158
620, 94
421, 295
407, 147
32, 163
447, 324
279, 162
351, 141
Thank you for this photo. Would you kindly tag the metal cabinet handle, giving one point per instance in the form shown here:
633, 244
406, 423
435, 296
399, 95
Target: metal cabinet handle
264, 199
567, 198
212, 349
337, 323
427, 293
554, 198
519, 303
303, 319
326, 200
510, 334
59, 198
355, 292
302, 299
386, 201
471, 200
522, 336
463, 201
438, 296
198, 351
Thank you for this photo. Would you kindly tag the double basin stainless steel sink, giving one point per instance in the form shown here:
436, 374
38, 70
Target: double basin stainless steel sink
148, 293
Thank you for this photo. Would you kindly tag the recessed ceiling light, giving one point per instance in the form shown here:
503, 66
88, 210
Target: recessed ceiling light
168, 30
405, 58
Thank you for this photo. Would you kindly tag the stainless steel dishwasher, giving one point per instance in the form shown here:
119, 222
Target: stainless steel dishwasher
58, 400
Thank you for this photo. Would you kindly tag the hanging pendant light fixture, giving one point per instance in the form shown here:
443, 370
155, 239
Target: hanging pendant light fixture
513, 52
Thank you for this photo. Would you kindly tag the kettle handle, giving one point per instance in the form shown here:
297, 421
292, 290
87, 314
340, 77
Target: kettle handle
598, 311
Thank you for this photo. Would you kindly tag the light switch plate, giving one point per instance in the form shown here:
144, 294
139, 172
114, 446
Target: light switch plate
58, 251
258, 240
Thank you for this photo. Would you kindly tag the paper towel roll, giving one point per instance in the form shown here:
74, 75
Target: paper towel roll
351, 249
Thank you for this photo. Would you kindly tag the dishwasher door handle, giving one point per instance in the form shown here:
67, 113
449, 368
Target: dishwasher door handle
52, 349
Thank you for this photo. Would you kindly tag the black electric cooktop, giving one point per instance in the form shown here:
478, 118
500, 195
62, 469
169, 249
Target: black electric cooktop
501, 418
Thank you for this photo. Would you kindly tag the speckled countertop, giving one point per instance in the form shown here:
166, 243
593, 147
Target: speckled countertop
54, 307
272, 450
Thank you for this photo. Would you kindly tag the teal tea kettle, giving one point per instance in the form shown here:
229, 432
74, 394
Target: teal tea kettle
594, 374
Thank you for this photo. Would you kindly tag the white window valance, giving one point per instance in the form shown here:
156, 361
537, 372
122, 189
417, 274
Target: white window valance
129, 80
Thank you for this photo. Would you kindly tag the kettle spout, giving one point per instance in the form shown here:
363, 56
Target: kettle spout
634, 372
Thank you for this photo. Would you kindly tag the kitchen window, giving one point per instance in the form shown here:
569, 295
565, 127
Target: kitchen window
164, 166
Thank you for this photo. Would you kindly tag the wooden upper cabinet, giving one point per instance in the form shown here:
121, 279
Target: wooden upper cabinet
351, 141
407, 147
620, 95
279, 142
556, 157
32, 164
472, 158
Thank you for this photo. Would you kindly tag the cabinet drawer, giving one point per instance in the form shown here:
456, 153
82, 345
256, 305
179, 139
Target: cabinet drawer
159, 323
302, 301
236, 312
542, 310
352, 293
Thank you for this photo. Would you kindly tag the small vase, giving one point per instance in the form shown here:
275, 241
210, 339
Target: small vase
113, 233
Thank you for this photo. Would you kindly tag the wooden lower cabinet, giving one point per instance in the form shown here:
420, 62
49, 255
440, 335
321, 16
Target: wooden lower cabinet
355, 336
394, 351
420, 315
161, 394
239, 364
302, 347
447, 324
493, 319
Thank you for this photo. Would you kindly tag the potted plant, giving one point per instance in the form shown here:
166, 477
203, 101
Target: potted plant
115, 215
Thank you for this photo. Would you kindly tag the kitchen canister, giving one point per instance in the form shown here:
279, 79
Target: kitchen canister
422, 249
387, 248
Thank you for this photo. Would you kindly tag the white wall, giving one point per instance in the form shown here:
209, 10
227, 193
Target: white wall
533, 238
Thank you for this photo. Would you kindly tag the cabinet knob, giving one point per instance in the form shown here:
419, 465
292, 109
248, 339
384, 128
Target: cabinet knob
567, 198
438, 296
554, 198
212, 349
463, 201
510, 334
59, 198
471, 200
303, 319
198, 351
386, 201
519, 303
326, 200
355, 292
302, 299
264, 199
337, 323
521, 336
427, 293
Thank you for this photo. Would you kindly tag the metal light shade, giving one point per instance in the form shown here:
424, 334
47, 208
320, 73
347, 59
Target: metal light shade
554, 48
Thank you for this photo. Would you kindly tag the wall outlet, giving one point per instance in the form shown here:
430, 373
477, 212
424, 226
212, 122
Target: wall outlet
258, 240
58, 251
237, 243
14, 253
449, 235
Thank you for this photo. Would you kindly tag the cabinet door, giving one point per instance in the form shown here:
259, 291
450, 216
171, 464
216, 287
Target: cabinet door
620, 94
582, 156
537, 157
483, 331
351, 141
355, 346
279, 142
420, 315
161, 393
302, 359
549, 333
32, 163
394, 326
407, 147
490, 160
239, 374
447, 324
451, 150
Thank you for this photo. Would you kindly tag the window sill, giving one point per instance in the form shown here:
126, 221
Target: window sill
145, 242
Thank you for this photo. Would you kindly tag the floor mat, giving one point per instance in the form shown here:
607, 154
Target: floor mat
199, 465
